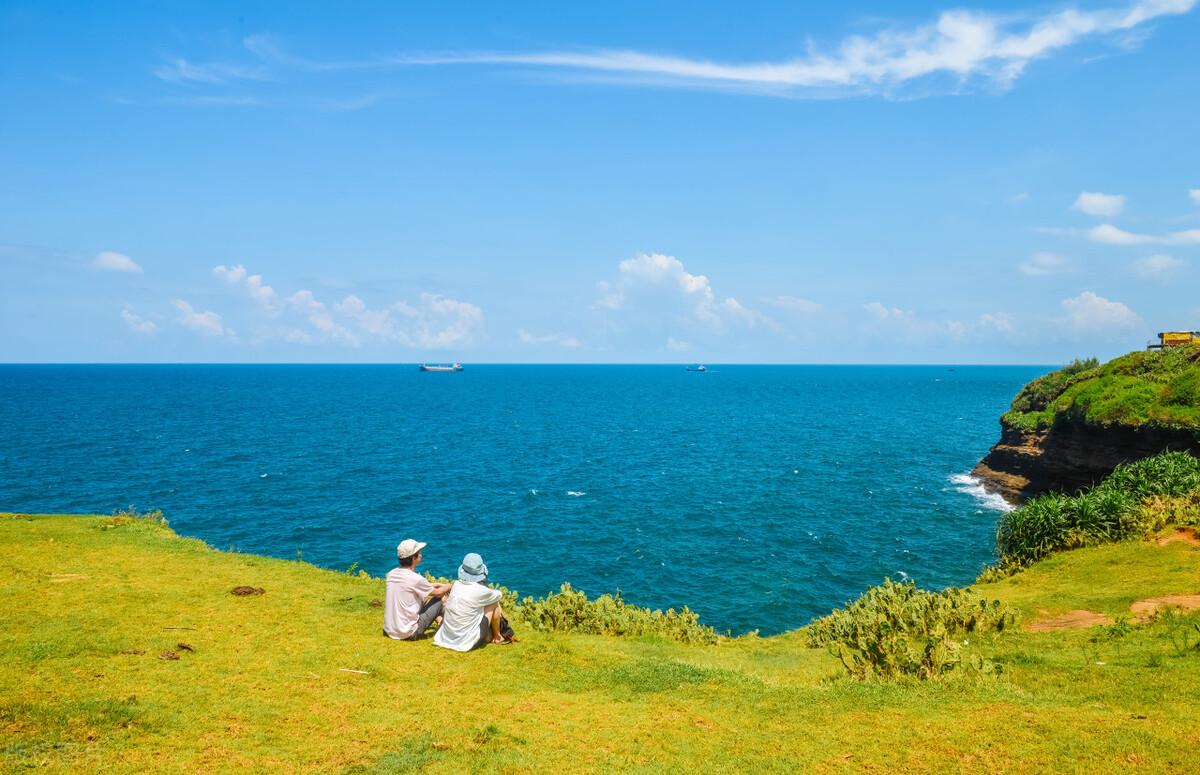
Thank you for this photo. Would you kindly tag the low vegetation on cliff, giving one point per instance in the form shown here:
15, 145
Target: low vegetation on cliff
1135, 500
124, 650
1157, 388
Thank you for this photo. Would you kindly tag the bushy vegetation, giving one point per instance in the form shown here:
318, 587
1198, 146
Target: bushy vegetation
896, 629
1135, 499
1158, 388
570, 610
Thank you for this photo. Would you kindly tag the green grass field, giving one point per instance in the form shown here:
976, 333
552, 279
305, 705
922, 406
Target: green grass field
89, 608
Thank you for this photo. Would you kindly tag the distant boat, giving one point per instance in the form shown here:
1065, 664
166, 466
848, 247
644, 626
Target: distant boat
697, 367
441, 367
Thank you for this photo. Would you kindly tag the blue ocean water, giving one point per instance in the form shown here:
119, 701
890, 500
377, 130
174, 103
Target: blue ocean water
759, 496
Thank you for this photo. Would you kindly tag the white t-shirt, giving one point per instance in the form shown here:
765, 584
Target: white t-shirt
406, 591
462, 612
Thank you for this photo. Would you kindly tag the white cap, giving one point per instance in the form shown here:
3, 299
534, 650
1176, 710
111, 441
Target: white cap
408, 547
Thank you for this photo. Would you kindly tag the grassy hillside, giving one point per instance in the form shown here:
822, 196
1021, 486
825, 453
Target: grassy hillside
90, 604
1159, 388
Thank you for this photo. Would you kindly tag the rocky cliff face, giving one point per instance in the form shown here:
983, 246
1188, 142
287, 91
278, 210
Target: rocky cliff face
1071, 455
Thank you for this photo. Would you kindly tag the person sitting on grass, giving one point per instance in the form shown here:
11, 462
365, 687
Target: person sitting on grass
472, 617
413, 602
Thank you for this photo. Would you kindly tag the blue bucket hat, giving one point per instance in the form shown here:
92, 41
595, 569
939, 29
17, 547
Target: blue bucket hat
472, 568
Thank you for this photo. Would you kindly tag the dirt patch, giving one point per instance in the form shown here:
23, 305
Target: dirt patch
133, 652
1185, 535
246, 591
169, 656
376, 603
1143, 609
1071, 620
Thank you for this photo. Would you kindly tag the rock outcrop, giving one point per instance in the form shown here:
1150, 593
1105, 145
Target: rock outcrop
1071, 455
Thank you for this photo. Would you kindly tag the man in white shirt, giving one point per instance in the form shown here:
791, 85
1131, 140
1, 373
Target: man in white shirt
413, 602
471, 616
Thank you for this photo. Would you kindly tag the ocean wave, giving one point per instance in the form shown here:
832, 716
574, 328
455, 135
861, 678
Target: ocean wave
970, 485
576, 493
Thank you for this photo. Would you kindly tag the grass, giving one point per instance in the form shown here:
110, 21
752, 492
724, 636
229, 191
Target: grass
1145, 388
264, 687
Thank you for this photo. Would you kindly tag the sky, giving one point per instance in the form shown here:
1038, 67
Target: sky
759, 182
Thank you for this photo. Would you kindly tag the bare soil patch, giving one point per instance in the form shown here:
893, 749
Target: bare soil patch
1071, 620
1185, 535
244, 591
1143, 609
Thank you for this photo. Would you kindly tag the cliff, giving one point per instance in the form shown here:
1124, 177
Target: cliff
1070, 428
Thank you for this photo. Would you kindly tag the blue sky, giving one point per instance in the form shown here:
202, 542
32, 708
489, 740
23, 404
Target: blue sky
609, 182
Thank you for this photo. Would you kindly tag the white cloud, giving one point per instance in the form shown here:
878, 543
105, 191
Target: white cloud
797, 305
1044, 264
1095, 203
656, 270
436, 321
1108, 234
881, 312
137, 322
1019, 198
562, 340
997, 321
957, 49
1159, 266
108, 261
1194, 195
209, 323
678, 345
179, 70
262, 294
1089, 311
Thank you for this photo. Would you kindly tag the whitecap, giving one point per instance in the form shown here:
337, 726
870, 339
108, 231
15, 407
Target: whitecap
263, 476
576, 493
970, 485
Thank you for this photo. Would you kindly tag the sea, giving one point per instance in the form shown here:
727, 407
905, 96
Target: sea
760, 497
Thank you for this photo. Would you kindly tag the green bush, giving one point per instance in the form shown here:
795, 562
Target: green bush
1159, 388
896, 629
1114, 510
570, 610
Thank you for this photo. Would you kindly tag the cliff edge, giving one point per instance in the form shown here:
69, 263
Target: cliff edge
1068, 429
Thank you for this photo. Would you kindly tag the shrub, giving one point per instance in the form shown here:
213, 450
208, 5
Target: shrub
570, 610
896, 629
1134, 499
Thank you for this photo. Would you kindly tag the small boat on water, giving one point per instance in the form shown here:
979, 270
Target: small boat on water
697, 367
441, 367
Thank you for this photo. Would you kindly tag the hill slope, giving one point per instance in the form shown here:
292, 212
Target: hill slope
91, 603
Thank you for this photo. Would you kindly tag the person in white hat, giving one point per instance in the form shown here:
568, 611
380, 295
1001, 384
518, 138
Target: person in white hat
412, 602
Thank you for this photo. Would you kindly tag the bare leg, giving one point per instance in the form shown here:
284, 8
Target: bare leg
494, 614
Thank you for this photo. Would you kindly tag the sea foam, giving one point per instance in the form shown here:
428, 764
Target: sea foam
971, 485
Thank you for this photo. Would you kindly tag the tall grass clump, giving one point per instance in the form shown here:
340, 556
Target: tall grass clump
896, 629
570, 610
1134, 499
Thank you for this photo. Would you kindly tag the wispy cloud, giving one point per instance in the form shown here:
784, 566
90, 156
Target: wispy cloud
179, 70
1194, 195
136, 322
1159, 267
1096, 203
1108, 234
208, 323
1043, 264
958, 50
561, 340
960, 45
108, 261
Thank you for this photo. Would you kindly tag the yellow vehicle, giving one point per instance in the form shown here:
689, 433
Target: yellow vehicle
1174, 339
